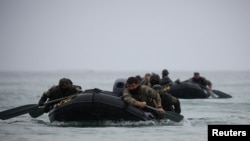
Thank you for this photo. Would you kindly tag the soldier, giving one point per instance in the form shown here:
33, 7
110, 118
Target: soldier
141, 95
169, 102
63, 89
201, 81
165, 78
145, 80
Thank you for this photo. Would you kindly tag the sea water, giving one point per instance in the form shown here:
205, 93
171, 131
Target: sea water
21, 88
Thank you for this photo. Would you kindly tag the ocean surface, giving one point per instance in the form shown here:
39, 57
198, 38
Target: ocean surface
21, 88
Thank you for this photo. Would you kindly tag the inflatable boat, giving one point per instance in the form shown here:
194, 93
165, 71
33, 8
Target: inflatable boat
183, 90
98, 105
91, 105
191, 90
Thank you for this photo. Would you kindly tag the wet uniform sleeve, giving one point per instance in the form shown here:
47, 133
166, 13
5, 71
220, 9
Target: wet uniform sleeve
46, 95
154, 96
127, 97
43, 99
158, 98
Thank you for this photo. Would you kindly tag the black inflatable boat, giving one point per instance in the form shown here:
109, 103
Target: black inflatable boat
183, 90
190, 90
96, 105
91, 105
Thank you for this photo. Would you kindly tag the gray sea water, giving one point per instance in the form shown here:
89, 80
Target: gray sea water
20, 88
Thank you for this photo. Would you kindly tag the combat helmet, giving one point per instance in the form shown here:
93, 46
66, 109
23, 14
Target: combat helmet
65, 83
165, 72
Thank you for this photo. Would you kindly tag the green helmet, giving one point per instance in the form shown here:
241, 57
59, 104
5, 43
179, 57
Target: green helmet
65, 83
157, 87
155, 79
165, 72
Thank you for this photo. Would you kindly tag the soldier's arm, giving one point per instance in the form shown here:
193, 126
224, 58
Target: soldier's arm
127, 97
43, 99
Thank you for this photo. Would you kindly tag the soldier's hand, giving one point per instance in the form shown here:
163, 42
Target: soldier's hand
161, 111
142, 104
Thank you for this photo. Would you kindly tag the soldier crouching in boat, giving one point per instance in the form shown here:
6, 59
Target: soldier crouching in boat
169, 102
142, 95
63, 89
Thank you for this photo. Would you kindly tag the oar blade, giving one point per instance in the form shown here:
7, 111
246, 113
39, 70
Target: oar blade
40, 110
37, 112
221, 94
168, 114
14, 112
173, 116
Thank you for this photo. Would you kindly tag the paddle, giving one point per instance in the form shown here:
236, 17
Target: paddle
221, 94
39, 110
33, 109
168, 114
216, 93
17, 111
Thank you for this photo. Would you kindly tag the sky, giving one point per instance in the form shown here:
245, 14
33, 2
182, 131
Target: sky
121, 35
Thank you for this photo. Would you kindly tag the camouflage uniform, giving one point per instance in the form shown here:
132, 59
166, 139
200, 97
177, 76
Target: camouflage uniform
165, 78
202, 81
64, 89
145, 93
169, 102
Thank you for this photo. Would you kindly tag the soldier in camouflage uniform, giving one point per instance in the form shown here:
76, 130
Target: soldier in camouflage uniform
165, 78
169, 102
63, 89
141, 95
202, 81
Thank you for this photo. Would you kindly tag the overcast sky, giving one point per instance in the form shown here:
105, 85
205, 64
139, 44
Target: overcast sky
192, 35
